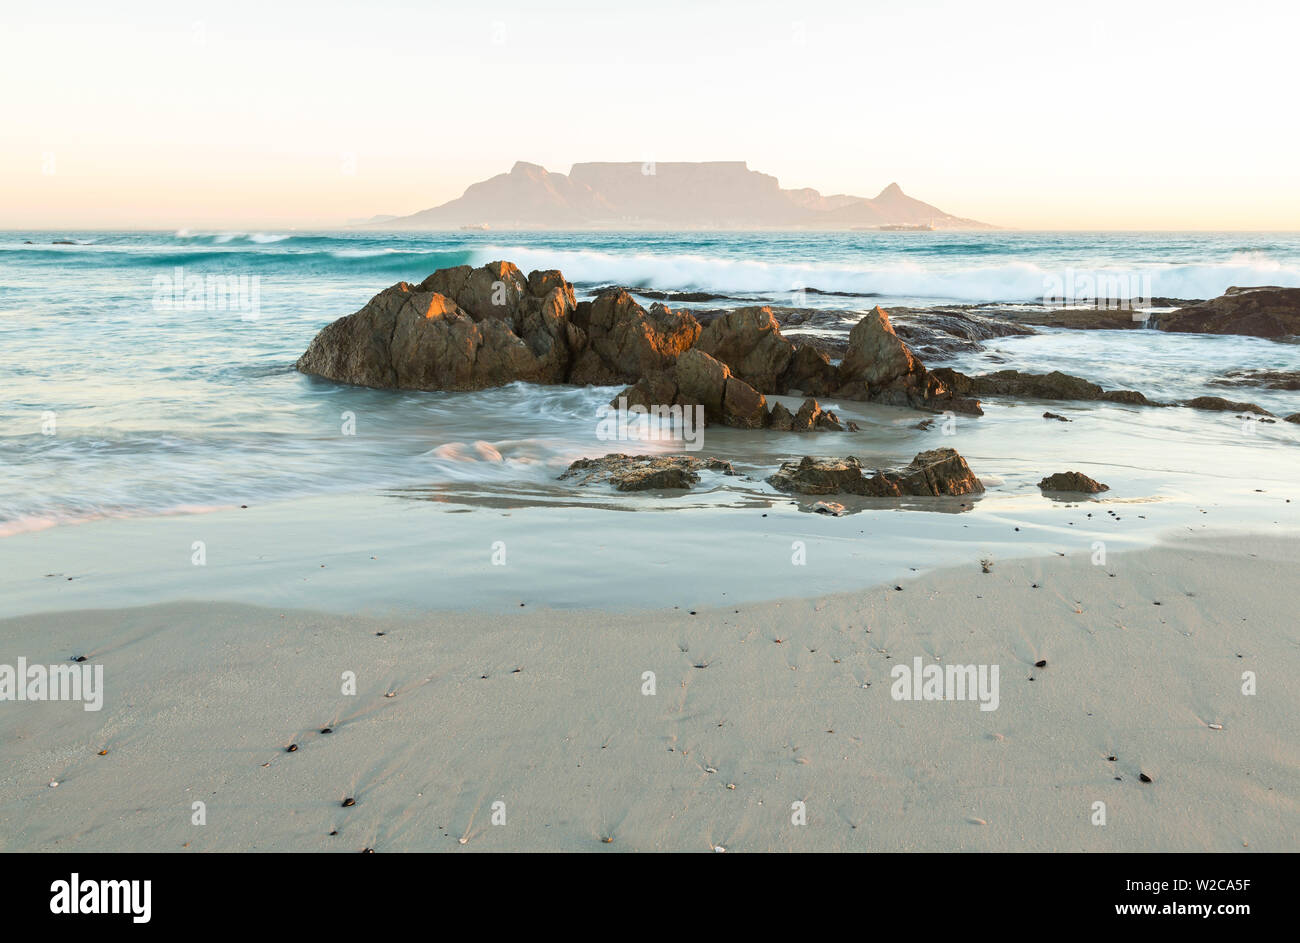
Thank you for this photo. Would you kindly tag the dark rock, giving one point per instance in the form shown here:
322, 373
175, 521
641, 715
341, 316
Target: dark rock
1265, 311
780, 419
1294, 417
644, 472
1269, 379
936, 472
1219, 404
1072, 481
1056, 417
810, 372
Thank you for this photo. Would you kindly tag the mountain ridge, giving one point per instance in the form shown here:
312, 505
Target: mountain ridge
677, 195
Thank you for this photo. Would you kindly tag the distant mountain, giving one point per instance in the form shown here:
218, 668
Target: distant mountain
710, 195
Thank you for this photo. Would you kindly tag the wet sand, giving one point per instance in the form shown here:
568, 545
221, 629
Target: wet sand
757, 705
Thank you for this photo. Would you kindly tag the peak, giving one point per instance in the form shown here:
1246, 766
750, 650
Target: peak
523, 167
892, 190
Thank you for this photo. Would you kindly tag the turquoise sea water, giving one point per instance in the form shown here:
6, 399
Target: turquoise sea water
116, 400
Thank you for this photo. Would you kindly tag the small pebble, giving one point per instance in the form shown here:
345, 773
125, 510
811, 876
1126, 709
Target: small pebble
1216, 726
349, 802
1041, 663
1144, 777
291, 748
327, 730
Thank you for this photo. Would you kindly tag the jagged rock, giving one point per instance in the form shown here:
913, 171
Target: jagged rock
697, 379
1219, 404
780, 419
810, 372
1265, 311
644, 472
627, 340
942, 332
936, 472
1131, 397
749, 342
811, 416
878, 366
1072, 481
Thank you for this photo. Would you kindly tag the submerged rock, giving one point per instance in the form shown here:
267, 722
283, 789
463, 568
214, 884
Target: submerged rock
1072, 481
644, 472
1265, 311
1269, 379
1294, 417
1219, 404
1054, 385
936, 472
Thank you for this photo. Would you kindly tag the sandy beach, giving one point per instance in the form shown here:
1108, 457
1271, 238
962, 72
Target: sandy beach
756, 706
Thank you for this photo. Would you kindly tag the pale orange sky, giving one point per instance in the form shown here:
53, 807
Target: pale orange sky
1106, 115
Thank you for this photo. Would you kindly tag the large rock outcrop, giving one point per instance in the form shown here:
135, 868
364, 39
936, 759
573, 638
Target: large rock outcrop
936, 472
1266, 311
466, 328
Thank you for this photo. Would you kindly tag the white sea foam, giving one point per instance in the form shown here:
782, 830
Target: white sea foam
1004, 281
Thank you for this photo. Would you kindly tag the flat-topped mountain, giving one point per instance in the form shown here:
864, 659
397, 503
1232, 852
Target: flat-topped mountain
707, 195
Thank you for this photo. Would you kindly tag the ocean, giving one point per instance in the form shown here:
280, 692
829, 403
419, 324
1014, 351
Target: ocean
120, 399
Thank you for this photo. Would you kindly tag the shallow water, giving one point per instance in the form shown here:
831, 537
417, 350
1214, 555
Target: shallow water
156, 409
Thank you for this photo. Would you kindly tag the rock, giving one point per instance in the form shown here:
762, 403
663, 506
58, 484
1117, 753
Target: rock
1054, 385
810, 372
1219, 404
878, 366
697, 379
1072, 481
1269, 379
780, 419
644, 472
749, 342
828, 507
811, 416
1265, 311
1294, 417
936, 472
627, 340
942, 332
1056, 417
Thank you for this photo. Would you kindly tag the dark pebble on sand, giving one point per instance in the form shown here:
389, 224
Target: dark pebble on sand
1042, 663
1144, 777
80, 658
335, 832
327, 730
349, 802
898, 588
1111, 758
291, 748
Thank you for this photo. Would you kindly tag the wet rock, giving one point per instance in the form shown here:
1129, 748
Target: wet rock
780, 419
880, 367
1264, 311
828, 507
1269, 379
644, 472
1056, 417
811, 416
936, 472
1072, 481
811, 372
1054, 385
698, 379
1294, 417
749, 342
1219, 404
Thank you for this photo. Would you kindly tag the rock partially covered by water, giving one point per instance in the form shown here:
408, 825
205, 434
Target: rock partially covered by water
878, 366
810, 372
1072, 481
1294, 417
936, 472
1054, 385
1220, 405
809, 417
1266, 311
644, 472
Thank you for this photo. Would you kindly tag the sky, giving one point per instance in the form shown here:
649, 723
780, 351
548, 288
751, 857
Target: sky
1038, 115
